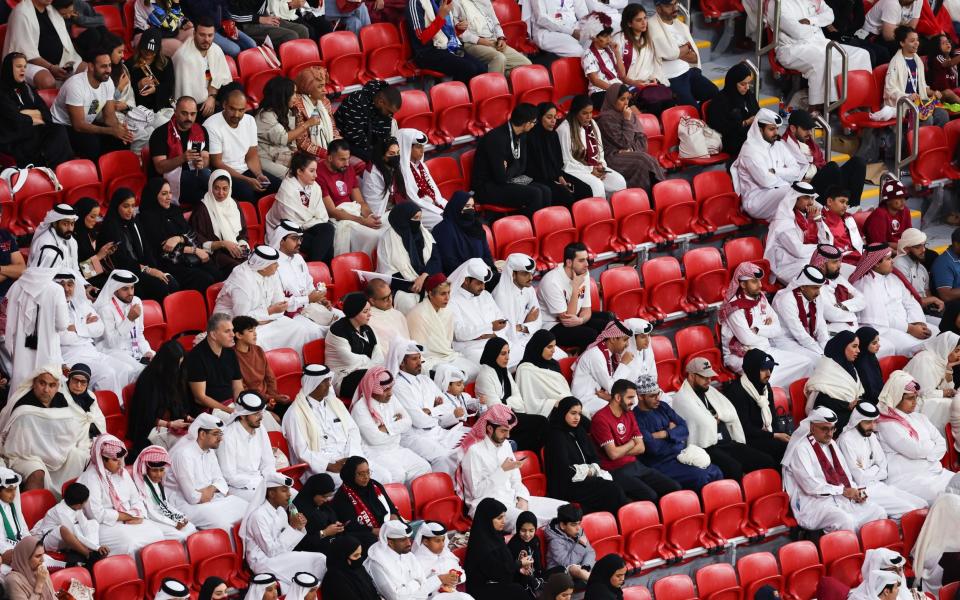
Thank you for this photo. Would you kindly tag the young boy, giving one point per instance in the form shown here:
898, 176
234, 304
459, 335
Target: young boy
65, 529
14, 526
430, 548
567, 547
837, 226
458, 405
148, 472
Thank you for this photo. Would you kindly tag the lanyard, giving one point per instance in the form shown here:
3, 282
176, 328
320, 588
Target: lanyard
13, 537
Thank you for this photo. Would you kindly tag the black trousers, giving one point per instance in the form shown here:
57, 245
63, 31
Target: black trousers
243, 191
92, 145
581, 336
561, 196
735, 459
528, 199
460, 68
348, 385
640, 482
318, 242
153, 288
851, 177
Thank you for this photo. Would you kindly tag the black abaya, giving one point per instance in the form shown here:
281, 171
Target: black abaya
372, 496
345, 578
751, 416
492, 572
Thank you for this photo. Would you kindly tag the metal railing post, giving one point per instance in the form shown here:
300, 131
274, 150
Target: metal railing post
828, 82
823, 123
756, 77
904, 104
775, 38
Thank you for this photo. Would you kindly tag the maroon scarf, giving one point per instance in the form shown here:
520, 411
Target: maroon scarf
613, 360
807, 226
627, 53
592, 150
424, 189
842, 293
174, 149
833, 472
607, 73
807, 319
365, 516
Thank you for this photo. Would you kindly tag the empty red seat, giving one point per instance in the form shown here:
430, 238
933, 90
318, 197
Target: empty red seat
415, 111
763, 492
165, 559
642, 533
568, 81
911, 523
297, 55
154, 326
801, 568
186, 316
747, 249
684, 521
674, 587
112, 19
623, 295
382, 51
252, 61
531, 474
651, 128
453, 111
636, 592
670, 155
668, 366
718, 582
342, 266
676, 209
466, 165
314, 352
595, 226
342, 56
717, 201
492, 101
932, 157
798, 399
601, 529
514, 234
842, 557
706, 276
116, 578
698, 341
285, 364
725, 509
212, 556
757, 570
79, 179
446, 174
554, 228
33, 201
667, 287
35, 504
120, 169
401, 499
882, 533
531, 84
514, 28
435, 498
637, 221
863, 98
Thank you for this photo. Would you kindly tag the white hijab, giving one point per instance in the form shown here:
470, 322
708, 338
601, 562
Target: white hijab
937, 536
930, 366
224, 216
407, 137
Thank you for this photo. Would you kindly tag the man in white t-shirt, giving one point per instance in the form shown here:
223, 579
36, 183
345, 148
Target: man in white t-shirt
564, 295
233, 147
886, 15
86, 106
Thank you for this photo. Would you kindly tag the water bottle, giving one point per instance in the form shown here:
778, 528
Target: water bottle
292, 508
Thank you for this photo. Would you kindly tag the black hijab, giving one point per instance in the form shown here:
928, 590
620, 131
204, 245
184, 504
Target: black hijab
598, 585
159, 393
867, 365
410, 232
83, 234
369, 494
489, 357
555, 585
486, 543
209, 585
753, 362
125, 232
729, 109
163, 222
7, 83
835, 350
345, 579
566, 446
517, 545
321, 516
545, 158
533, 353
461, 236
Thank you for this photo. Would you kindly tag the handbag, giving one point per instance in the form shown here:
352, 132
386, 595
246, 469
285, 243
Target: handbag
782, 422
693, 142
650, 95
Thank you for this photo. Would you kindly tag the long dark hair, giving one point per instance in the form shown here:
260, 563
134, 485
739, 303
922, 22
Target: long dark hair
629, 14
378, 158
276, 99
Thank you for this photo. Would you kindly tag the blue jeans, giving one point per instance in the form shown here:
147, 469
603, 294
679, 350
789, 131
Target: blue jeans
692, 88
234, 47
353, 20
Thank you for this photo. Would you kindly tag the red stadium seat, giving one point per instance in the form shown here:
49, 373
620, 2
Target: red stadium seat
492, 101
211, 556
62, 578
763, 492
35, 504
911, 523
566, 367
842, 557
514, 28
623, 294
674, 587
382, 51
747, 249
531, 474
165, 559
636, 592
285, 364
932, 157
554, 228
531, 84
120, 169
254, 228
684, 521
255, 86
409, 68
780, 400
798, 399
264, 205
116, 578
718, 203
49, 95
802, 571
314, 352
949, 591
401, 499
757, 570
232, 65
668, 367
670, 155
154, 326
514, 234
568, 81
595, 226
601, 529
651, 127
342, 56
31, 207
642, 533
667, 287
79, 179
466, 166
115, 420
250, 62
676, 209
446, 174
343, 267
952, 131
889, 364
863, 98
698, 342
297, 55
638, 222
186, 315
725, 509
415, 112
882, 533
435, 498
706, 275
718, 582
453, 112
212, 292
112, 19
319, 271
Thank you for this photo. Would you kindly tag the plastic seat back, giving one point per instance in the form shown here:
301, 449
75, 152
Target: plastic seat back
623, 294
343, 266
61, 579
698, 341
116, 578
842, 557
250, 62
601, 529
446, 174
642, 532
949, 591
568, 81
35, 504
745, 249
79, 179
466, 165
718, 203
651, 127
297, 55
683, 519
861, 94
285, 364
666, 286
435, 498
631, 209
453, 110
718, 582
554, 228
595, 225
186, 316
120, 169
514, 234
668, 366
882, 533
763, 493
531, 84
676, 208
212, 556
912, 523
342, 56
314, 352
801, 568
932, 157
415, 112
382, 50
636, 592
674, 587
492, 100
889, 364
706, 276
757, 570
725, 509
798, 399
165, 559
401, 499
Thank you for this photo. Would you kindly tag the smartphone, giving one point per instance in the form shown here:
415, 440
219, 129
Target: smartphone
196, 146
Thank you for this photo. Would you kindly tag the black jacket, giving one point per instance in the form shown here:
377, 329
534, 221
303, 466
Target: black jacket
493, 151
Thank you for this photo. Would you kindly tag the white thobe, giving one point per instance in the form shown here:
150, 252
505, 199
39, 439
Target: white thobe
191, 470
42, 309
514, 307
802, 46
427, 435
433, 329
552, 22
53, 440
343, 361
402, 577
269, 546
590, 373
50, 526
297, 283
158, 516
790, 365
915, 272
247, 292
77, 347
441, 564
796, 338
245, 458
473, 316
889, 308
930, 372
388, 324
121, 538
868, 466
841, 316
762, 175
402, 463
484, 477
914, 464
49, 237
123, 340
17, 525
818, 504
787, 253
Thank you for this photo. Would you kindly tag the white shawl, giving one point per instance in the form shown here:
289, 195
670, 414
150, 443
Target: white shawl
322, 133
540, 389
308, 421
646, 65
289, 205
929, 366
700, 422
761, 399
937, 536
831, 379
434, 330
407, 137
664, 45
23, 34
392, 255
189, 67
224, 216
785, 249
895, 85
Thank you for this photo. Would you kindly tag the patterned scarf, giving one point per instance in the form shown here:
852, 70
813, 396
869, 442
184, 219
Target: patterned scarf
807, 318
365, 516
424, 189
832, 470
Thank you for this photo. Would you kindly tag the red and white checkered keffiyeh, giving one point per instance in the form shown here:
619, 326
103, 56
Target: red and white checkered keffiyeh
733, 298
150, 454
868, 261
109, 446
824, 253
498, 414
614, 329
376, 380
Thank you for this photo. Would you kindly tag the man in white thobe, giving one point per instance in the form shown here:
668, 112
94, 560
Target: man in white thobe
891, 307
77, 342
518, 304
195, 482
270, 533
840, 300
911, 251
253, 289
56, 229
436, 431
748, 321
792, 234
245, 454
552, 23
823, 494
802, 46
383, 421
604, 361
122, 315
319, 430
387, 322
800, 311
488, 469
868, 462
476, 316
36, 313
306, 302
397, 573
765, 168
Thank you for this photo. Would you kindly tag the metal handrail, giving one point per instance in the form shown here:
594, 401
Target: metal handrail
756, 77
824, 124
904, 103
684, 8
775, 38
828, 82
